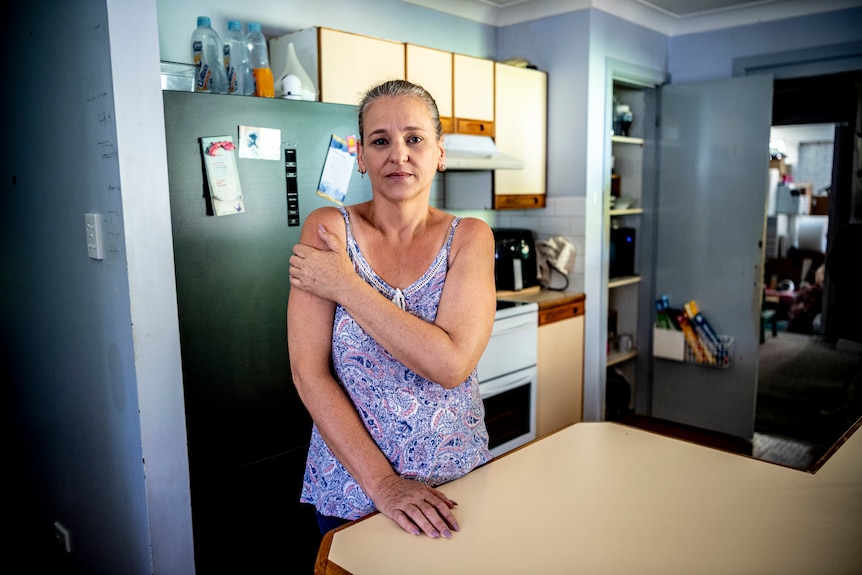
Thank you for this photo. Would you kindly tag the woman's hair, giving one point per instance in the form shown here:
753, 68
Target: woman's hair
393, 88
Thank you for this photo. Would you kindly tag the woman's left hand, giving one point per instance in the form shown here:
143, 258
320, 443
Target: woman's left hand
322, 271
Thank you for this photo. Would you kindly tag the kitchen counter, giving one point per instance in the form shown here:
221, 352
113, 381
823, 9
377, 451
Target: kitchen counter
544, 297
552, 304
607, 498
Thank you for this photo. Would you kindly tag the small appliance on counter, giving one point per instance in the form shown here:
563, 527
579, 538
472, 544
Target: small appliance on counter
515, 261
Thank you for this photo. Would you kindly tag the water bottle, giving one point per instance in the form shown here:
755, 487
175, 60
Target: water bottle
239, 79
208, 51
258, 58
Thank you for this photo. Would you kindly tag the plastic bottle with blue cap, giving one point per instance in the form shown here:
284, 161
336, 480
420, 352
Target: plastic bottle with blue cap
208, 58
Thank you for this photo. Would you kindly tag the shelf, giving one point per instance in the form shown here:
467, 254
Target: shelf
626, 212
627, 140
615, 358
623, 281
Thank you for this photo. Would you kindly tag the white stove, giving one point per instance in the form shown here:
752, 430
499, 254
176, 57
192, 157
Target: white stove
507, 376
507, 308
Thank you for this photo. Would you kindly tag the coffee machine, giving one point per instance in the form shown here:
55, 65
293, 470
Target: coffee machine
515, 260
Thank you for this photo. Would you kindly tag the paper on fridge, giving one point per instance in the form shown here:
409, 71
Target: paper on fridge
337, 169
259, 143
219, 154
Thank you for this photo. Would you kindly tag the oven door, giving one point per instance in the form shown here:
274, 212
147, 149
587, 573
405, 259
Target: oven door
513, 346
510, 413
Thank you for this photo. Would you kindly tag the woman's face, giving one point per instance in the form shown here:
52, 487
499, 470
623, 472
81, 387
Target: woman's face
399, 148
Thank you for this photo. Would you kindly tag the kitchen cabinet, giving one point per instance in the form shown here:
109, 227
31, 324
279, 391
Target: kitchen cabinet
521, 128
473, 97
560, 357
432, 69
344, 64
560, 365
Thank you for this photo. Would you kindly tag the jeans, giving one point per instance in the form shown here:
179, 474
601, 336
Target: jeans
327, 523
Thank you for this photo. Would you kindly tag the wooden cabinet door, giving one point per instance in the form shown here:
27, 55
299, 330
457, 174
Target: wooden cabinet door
351, 64
432, 69
521, 128
474, 95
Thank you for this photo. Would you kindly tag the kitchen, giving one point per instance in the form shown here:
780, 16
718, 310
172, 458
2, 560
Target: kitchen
128, 370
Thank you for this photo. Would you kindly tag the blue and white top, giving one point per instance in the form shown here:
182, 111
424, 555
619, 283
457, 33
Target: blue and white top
428, 433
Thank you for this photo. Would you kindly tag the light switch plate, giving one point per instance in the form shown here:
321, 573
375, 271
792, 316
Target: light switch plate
93, 224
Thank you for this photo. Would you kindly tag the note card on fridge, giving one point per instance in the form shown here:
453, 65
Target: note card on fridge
219, 154
337, 169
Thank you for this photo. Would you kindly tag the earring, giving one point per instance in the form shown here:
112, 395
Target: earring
362, 172
442, 168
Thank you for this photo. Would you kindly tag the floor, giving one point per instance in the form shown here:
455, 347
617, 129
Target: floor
809, 398
786, 451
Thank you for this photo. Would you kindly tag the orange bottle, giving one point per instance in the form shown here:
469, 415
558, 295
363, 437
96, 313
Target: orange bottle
258, 59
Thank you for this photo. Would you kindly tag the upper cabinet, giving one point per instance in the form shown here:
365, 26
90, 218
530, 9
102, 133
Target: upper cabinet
432, 69
351, 64
521, 101
347, 65
474, 95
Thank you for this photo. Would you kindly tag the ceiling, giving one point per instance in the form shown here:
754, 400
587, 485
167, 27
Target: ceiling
675, 8
670, 17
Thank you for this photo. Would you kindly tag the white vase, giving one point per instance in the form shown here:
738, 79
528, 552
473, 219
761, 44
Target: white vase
295, 83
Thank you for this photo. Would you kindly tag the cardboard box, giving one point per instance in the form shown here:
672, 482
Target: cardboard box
780, 166
820, 206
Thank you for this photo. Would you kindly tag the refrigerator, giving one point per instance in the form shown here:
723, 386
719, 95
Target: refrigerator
247, 430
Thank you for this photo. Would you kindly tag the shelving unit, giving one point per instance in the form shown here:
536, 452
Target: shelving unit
628, 296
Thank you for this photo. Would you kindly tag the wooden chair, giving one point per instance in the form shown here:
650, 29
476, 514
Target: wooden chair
767, 316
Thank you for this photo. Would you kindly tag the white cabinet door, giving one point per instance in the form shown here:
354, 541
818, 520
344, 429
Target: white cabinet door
560, 375
351, 64
521, 124
432, 69
474, 93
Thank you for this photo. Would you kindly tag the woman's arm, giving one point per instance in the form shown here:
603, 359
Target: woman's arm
310, 318
447, 350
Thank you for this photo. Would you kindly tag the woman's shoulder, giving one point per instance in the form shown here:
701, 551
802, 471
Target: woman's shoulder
327, 217
324, 215
474, 229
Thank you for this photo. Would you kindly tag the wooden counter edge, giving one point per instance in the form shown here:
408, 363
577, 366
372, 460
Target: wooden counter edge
322, 565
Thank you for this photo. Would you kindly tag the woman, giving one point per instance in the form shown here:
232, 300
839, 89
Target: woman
403, 315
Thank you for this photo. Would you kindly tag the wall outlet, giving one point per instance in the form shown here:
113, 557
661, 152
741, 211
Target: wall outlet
63, 537
93, 224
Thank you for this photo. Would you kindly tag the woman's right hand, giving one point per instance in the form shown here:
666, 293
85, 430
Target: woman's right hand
416, 507
324, 269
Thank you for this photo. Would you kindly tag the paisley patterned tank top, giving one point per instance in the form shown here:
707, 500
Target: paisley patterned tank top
428, 433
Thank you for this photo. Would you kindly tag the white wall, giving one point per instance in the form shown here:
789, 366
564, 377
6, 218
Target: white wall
710, 55
152, 288
92, 345
577, 49
389, 19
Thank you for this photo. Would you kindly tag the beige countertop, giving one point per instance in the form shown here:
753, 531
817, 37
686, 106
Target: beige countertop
607, 498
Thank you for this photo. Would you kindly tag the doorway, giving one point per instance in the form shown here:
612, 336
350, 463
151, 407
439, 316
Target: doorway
808, 373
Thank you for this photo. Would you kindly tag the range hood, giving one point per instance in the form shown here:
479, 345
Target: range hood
465, 152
